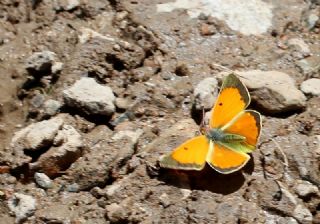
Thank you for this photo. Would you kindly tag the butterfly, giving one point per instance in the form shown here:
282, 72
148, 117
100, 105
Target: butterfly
233, 132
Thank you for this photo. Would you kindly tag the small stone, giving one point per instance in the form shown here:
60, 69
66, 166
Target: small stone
164, 200
207, 29
205, 93
309, 65
51, 107
302, 214
73, 187
311, 87
115, 213
65, 4
312, 20
305, 189
43, 180
37, 135
90, 97
67, 148
122, 103
23, 206
273, 91
40, 62
37, 100
57, 67
300, 45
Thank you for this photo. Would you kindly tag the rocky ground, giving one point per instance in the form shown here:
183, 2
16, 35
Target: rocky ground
94, 92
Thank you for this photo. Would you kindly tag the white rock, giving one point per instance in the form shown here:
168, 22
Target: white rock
305, 188
86, 34
302, 214
301, 45
43, 180
311, 86
205, 93
37, 135
249, 17
90, 97
273, 91
23, 206
51, 107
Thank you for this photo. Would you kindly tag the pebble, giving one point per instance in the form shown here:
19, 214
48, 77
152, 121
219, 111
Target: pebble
311, 87
305, 189
273, 91
115, 213
300, 45
309, 65
90, 97
205, 93
43, 180
23, 206
51, 107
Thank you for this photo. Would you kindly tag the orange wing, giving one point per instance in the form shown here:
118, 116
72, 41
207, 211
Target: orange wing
191, 155
225, 160
248, 124
233, 98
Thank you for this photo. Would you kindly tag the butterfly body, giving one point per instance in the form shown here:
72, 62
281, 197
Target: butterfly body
233, 133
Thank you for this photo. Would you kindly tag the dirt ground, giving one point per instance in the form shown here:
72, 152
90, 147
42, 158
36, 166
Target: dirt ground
64, 159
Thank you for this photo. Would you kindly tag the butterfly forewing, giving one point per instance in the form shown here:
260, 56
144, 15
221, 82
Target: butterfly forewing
233, 98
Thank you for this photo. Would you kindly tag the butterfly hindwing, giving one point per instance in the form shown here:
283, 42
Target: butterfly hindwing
233, 98
225, 161
247, 124
190, 155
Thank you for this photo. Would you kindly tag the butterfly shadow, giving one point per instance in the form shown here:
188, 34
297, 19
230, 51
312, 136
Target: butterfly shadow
207, 179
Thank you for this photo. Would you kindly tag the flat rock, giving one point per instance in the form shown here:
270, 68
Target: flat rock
311, 87
67, 148
23, 206
274, 92
205, 93
90, 97
305, 188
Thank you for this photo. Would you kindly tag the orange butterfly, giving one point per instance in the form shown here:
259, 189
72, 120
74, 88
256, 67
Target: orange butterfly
233, 133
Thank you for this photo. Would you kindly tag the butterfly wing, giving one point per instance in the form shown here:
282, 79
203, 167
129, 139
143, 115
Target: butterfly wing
191, 155
233, 98
246, 124
225, 161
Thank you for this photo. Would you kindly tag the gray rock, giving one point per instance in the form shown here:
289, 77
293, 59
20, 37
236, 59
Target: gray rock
40, 61
90, 97
311, 86
205, 93
305, 188
51, 107
37, 135
299, 45
312, 20
273, 91
67, 149
23, 206
43, 180
302, 214
309, 65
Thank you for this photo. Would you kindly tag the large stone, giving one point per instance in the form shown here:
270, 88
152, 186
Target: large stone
274, 92
90, 97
